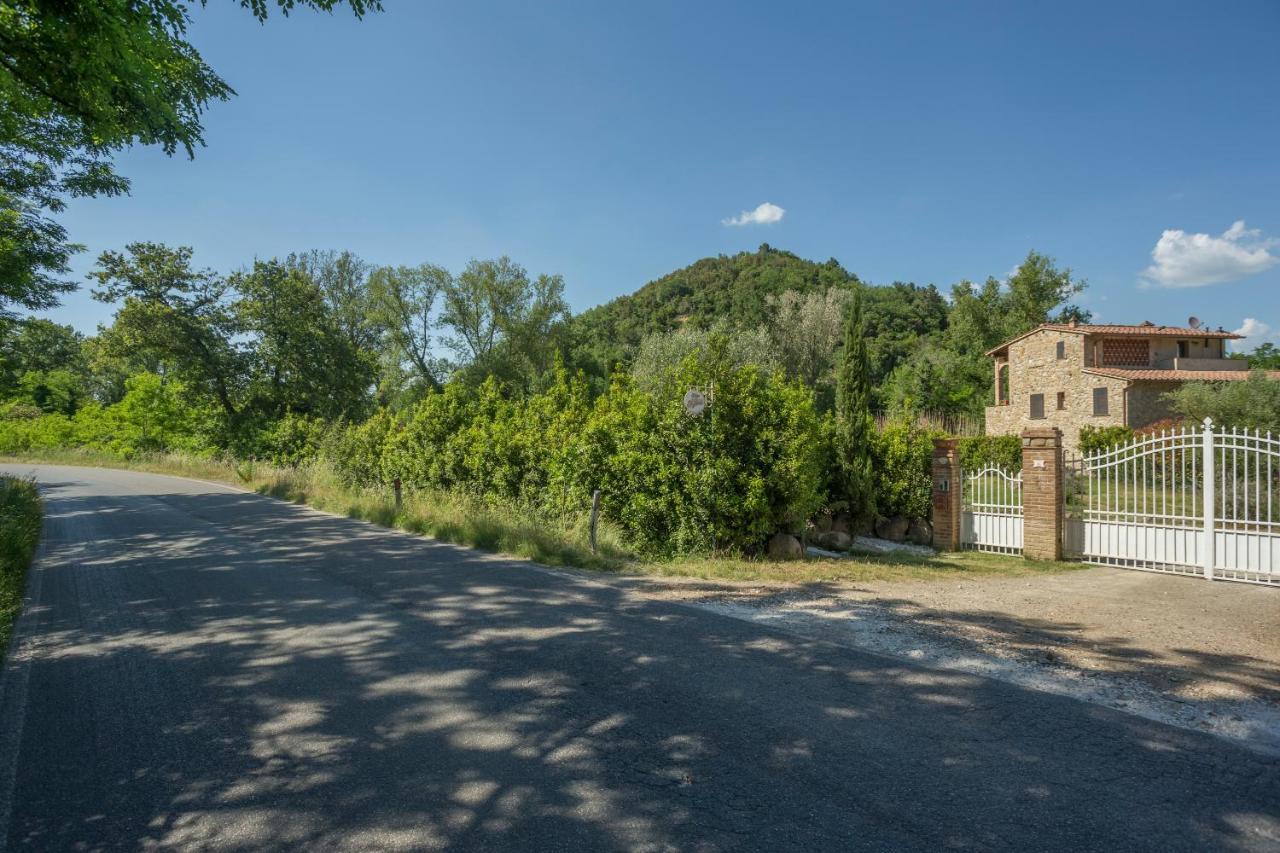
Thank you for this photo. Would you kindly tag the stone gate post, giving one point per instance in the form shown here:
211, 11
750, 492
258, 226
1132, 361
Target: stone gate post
1042, 493
946, 494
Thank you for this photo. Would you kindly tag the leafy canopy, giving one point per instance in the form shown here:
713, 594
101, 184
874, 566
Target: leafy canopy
78, 82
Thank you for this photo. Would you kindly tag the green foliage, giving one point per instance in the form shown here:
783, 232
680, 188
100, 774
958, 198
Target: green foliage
902, 456
1264, 357
403, 299
948, 373
732, 289
293, 439
503, 323
854, 425
303, 361
673, 483
1093, 439
658, 361
20, 513
81, 81
938, 380
176, 316
979, 451
1252, 404
898, 318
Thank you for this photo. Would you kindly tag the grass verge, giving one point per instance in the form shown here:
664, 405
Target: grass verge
554, 541
20, 512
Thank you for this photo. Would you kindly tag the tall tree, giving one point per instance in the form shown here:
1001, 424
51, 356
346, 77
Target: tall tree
302, 361
404, 300
175, 315
503, 323
79, 81
1035, 290
806, 331
854, 425
343, 279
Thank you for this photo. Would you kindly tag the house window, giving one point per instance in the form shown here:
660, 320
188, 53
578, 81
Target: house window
1099, 401
1062, 400
1184, 349
1062, 350
1037, 406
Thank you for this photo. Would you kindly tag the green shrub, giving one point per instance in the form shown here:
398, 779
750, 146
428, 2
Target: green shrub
979, 451
1252, 404
903, 457
354, 451
750, 466
292, 440
1093, 439
20, 510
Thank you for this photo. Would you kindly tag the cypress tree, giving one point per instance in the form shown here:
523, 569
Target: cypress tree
854, 424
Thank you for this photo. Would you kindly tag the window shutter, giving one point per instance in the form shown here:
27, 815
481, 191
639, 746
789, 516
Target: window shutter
1037, 406
1062, 349
1099, 401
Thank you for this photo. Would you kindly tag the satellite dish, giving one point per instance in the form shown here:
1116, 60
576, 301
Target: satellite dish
695, 403
1193, 322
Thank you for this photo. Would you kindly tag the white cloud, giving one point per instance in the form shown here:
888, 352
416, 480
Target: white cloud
765, 214
1254, 331
1193, 260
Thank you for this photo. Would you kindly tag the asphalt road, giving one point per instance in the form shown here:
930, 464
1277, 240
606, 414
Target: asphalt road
206, 669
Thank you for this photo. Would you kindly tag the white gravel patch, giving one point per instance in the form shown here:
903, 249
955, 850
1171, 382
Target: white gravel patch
1252, 723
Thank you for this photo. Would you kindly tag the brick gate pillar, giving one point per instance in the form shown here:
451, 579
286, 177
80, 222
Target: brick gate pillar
1042, 494
946, 494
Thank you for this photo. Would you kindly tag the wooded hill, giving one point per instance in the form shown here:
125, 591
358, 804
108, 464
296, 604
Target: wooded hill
734, 291
723, 288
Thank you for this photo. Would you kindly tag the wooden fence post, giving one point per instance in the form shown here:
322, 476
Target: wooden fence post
395, 484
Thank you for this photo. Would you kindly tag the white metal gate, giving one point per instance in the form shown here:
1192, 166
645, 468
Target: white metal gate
1201, 501
991, 517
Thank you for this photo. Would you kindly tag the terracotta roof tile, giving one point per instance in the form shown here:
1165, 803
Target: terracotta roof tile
1144, 331
1154, 375
1109, 329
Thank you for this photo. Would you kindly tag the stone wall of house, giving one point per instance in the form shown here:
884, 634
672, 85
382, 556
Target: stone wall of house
1146, 403
1034, 368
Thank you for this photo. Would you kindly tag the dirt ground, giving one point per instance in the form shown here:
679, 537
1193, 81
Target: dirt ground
1182, 650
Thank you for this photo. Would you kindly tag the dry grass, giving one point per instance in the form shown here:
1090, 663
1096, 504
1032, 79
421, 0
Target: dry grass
526, 533
857, 568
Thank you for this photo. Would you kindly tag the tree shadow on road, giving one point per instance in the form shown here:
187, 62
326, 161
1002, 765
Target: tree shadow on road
224, 670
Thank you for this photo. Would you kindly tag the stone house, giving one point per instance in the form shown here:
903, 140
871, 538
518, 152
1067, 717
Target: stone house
1067, 375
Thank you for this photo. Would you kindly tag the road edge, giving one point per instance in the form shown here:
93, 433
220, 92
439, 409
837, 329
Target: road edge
14, 677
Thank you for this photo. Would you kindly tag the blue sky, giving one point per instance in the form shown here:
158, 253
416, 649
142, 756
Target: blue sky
924, 142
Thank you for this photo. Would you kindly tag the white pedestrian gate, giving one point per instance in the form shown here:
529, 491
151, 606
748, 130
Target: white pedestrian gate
991, 518
1201, 501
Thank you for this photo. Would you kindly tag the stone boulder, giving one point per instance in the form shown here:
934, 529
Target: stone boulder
894, 529
784, 546
920, 531
834, 540
840, 523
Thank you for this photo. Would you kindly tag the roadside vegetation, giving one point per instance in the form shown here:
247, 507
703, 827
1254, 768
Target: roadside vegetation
20, 514
562, 541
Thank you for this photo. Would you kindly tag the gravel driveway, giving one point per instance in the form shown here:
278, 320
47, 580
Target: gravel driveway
1180, 650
